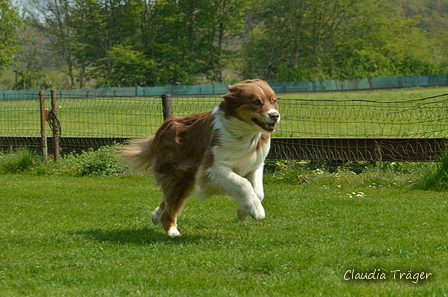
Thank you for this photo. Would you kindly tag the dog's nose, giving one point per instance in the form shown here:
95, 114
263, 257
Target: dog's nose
274, 116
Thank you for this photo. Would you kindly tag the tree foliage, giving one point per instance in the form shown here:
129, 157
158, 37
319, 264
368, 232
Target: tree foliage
164, 42
10, 24
308, 39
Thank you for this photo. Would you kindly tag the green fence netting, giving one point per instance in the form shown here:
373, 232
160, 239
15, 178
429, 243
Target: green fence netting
218, 89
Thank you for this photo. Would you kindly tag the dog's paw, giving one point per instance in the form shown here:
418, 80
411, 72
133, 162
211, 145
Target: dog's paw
257, 212
173, 232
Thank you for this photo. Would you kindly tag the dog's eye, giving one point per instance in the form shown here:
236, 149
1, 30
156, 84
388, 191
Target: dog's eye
257, 102
274, 100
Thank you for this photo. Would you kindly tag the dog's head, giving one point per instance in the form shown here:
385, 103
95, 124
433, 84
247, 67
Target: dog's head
253, 102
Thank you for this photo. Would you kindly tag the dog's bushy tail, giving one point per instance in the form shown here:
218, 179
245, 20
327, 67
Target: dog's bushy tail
139, 153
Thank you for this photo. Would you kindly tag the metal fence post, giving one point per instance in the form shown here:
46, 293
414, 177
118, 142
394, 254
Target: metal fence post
167, 107
55, 121
43, 127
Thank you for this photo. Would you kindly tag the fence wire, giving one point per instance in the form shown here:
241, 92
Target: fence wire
110, 117
127, 117
422, 118
20, 115
141, 116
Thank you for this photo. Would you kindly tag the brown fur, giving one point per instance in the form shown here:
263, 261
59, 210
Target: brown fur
183, 144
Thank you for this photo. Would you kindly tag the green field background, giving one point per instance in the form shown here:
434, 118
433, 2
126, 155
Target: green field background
380, 113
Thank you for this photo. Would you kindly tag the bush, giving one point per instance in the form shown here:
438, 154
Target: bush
17, 161
362, 173
105, 162
102, 162
435, 178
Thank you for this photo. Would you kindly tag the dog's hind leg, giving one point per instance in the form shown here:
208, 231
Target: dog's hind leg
175, 197
155, 217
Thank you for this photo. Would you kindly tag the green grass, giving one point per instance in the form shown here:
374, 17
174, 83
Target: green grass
436, 179
62, 234
338, 116
66, 236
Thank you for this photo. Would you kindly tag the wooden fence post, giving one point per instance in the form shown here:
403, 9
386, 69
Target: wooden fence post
54, 119
167, 107
43, 127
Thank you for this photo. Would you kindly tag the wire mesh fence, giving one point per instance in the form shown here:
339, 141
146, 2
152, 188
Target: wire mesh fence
110, 117
83, 120
20, 115
421, 118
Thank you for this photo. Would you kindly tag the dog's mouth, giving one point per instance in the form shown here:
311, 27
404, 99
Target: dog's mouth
264, 126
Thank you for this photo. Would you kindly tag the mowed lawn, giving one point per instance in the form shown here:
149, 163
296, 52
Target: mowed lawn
91, 236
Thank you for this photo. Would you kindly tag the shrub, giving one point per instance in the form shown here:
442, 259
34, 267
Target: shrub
102, 162
17, 161
435, 178
362, 173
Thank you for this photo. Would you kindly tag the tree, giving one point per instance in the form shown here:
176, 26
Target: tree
166, 42
168, 38
389, 44
53, 19
128, 68
10, 25
97, 27
225, 20
32, 60
309, 40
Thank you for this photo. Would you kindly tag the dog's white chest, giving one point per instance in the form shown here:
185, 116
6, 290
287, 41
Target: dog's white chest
243, 158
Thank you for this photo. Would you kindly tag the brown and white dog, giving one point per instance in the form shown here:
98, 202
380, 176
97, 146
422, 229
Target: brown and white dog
220, 152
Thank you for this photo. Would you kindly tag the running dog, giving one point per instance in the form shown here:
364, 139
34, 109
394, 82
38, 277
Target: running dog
220, 152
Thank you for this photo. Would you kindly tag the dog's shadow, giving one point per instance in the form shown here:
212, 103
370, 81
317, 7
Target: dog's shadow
142, 236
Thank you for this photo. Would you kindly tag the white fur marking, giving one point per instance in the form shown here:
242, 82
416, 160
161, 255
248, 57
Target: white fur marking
173, 232
273, 112
222, 179
238, 166
156, 216
238, 145
255, 177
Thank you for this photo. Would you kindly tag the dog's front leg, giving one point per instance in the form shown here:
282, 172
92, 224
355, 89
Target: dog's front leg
255, 177
239, 188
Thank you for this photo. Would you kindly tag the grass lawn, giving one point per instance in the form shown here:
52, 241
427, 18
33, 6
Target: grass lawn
91, 236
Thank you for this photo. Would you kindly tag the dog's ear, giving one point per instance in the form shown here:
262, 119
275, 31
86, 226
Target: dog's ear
233, 93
